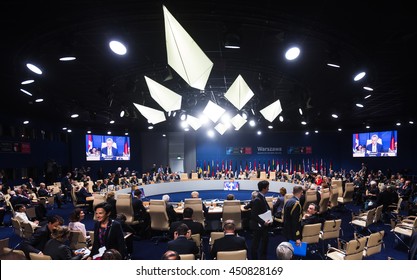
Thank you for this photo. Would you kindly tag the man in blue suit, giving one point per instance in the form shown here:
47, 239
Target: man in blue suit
109, 151
374, 146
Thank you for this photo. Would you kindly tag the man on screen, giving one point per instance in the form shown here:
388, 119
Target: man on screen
374, 146
109, 151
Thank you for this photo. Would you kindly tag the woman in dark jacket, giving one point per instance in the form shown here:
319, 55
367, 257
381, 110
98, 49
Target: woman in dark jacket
56, 247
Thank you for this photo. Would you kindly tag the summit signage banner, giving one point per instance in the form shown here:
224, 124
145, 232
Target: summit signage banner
269, 150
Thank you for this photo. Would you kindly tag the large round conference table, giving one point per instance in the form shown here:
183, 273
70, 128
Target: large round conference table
205, 185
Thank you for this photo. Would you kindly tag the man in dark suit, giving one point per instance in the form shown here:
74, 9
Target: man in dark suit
292, 216
109, 151
37, 242
374, 146
258, 225
195, 227
182, 244
230, 242
139, 213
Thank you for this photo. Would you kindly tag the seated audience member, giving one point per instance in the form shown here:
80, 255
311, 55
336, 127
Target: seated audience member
16, 197
22, 217
285, 251
279, 204
172, 216
311, 216
253, 196
182, 243
56, 247
230, 196
82, 193
75, 224
110, 199
37, 242
230, 242
111, 254
195, 194
170, 255
121, 218
43, 192
195, 227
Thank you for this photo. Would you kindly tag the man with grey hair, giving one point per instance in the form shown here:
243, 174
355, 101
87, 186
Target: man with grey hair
172, 215
285, 251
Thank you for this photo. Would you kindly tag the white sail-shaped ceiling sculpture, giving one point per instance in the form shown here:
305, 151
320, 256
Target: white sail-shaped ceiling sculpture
239, 93
152, 115
272, 111
166, 98
184, 55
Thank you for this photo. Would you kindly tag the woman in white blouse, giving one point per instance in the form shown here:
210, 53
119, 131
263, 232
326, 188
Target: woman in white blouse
75, 221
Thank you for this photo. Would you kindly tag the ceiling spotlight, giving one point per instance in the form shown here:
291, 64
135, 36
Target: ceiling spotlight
164, 135
307, 133
26, 92
368, 88
183, 116
111, 122
270, 127
335, 116
27, 82
69, 130
186, 129
108, 132
398, 124
316, 131
39, 100
359, 105
292, 53
210, 133
126, 133
367, 127
35, 69
259, 132
64, 128
252, 123
366, 97
67, 58
281, 118
253, 111
25, 122
150, 127
117, 47
74, 116
411, 122
232, 41
339, 129
122, 113
359, 76
244, 115
88, 131
300, 111
333, 65
304, 123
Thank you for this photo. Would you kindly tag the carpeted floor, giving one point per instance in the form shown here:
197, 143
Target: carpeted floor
145, 249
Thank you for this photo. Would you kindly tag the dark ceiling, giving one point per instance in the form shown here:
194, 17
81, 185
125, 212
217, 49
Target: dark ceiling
377, 37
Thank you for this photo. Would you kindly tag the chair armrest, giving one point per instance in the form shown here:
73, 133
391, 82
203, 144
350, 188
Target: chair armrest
333, 249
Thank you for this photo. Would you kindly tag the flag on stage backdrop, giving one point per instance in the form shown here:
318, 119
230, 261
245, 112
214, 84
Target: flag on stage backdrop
290, 165
304, 167
254, 165
356, 141
246, 166
126, 147
321, 166
273, 165
208, 169
299, 167
263, 166
269, 165
90, 142
392, 142
286, 165
212, 164
231, 165
222, 165
204, 166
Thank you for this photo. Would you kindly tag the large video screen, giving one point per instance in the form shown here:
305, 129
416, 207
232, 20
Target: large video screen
231, 186
105, 147
375, 144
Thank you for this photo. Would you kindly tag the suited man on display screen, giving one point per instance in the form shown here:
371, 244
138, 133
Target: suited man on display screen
109, 151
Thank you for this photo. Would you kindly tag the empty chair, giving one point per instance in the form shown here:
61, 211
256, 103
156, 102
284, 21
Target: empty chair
310, 197
334, 194
232, 255
28, 230
331, 230
125, 206
378, 214
197, 205
405, 228
77, 240
17, 228
339, 186
374, 243
232, 211
159, 219
363, 220
187, 257
352, 250
197, 239
324, 204
347, 195
39, 257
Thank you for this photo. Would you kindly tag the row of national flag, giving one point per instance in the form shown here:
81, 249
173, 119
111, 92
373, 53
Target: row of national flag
212, 167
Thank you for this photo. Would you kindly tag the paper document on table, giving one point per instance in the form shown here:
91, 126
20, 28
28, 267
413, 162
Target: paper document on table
267, 216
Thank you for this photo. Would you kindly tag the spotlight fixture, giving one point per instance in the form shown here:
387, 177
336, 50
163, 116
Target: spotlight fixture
27, 82
281, 118
359, 105
335, 116
88, 131
232, 41
292, 53
368, 88
25, 122
67, 58
259, 132
122, 113
35, 69
39, 100
117, 47
26, 92
74, 116
69, 130
316, 131
183, 116
252, 123
359, 76
307, 133
108, 132
300, 111
398, 124
366, 97
304, 123
411, 122
111, 122
339, 129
